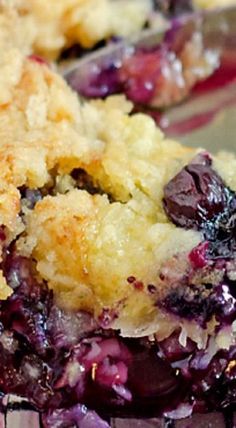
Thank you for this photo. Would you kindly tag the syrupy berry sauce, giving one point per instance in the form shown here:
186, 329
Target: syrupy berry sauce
65, 363
57, 360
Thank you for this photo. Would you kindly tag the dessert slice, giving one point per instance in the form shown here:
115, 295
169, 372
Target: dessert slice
117, 260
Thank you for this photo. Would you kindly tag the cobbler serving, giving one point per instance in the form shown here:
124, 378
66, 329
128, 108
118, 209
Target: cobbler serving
117, 274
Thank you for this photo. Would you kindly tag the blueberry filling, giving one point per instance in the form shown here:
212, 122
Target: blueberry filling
138, 76
57, 360
30, 197
197, 198
200, 303
78, 178
84, 181
153, 76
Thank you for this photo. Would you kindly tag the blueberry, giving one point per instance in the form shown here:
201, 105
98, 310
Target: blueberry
221, 233
195, 195
198, 198
191, 302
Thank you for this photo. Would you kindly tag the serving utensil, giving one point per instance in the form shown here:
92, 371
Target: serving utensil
207, 116
218, 27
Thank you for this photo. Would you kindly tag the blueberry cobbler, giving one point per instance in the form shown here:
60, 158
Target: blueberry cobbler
117, 269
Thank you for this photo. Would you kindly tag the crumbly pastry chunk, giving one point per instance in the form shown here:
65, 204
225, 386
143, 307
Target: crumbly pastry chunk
15, 32
16, 37
46, 124
86, 249
61, 23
